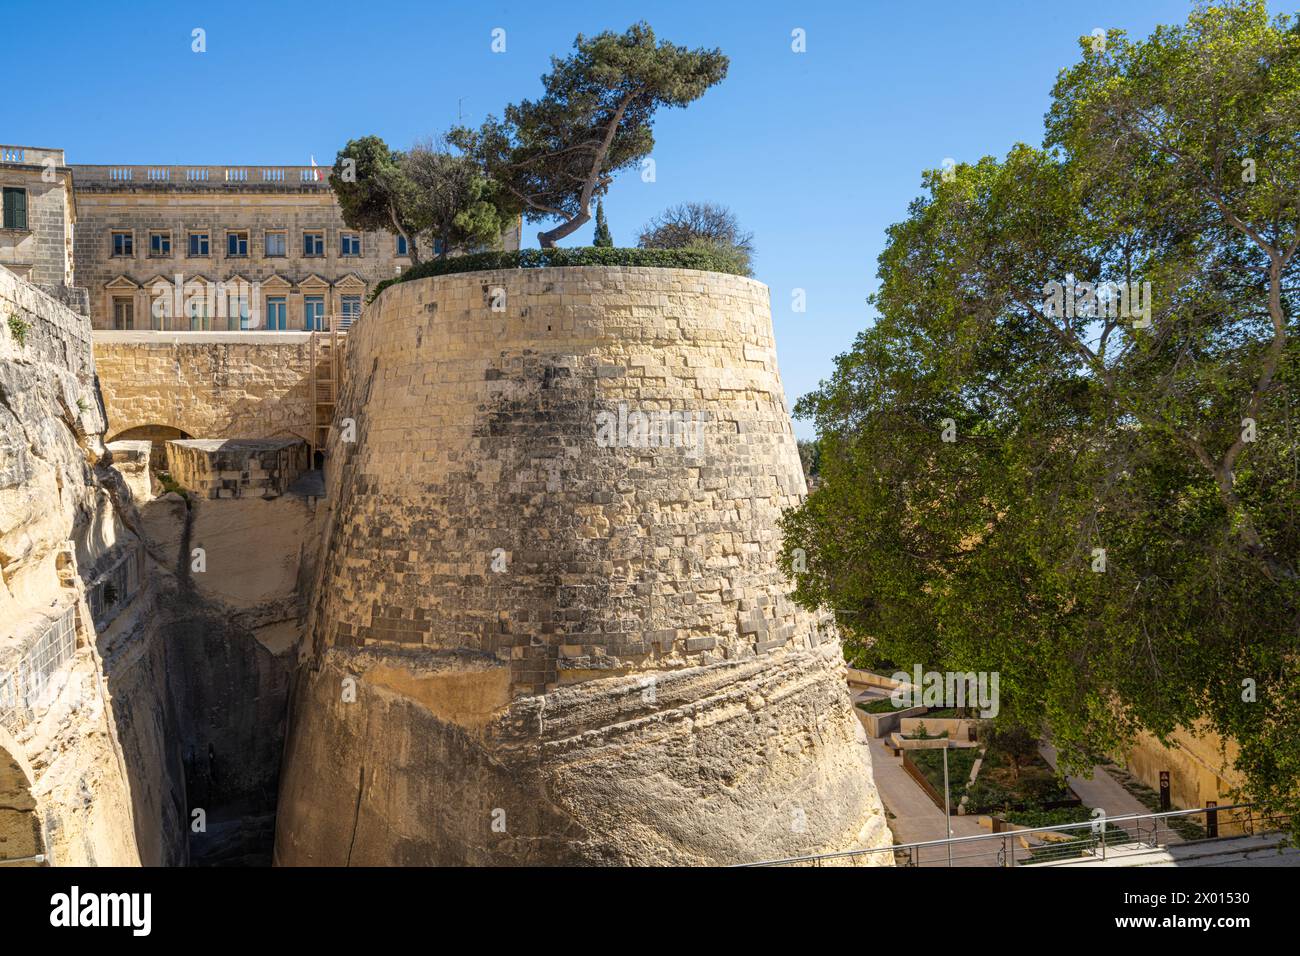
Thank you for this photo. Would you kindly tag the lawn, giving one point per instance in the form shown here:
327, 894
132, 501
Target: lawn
960, 761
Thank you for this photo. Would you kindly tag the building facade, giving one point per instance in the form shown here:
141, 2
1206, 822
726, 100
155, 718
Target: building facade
193, 248
39, 214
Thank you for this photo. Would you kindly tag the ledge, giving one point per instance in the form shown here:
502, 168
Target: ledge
156, 337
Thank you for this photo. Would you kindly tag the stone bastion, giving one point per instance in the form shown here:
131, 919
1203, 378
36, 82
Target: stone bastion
547, 625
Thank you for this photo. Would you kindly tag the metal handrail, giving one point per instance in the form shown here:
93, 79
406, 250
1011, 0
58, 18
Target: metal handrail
1100, 822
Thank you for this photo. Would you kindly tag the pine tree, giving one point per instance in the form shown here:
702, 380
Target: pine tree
603, 237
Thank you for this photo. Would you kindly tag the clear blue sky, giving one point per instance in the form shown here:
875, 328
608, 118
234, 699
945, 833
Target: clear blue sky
817, 152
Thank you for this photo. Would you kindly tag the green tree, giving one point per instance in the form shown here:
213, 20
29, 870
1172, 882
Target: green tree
374, 192
452, 201
1100, 507
603, 236
701, 225
1018, 744
810, 458
553, 155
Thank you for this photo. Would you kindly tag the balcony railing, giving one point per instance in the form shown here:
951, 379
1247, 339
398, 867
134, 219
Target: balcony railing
214, 176
21, 689
32, 155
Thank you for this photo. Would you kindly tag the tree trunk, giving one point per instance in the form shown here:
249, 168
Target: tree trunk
550, 237
412, 249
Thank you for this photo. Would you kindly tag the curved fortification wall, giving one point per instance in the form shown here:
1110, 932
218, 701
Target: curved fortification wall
548, 625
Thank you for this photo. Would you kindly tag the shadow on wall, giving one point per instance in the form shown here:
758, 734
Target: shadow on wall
159, 435
20, 827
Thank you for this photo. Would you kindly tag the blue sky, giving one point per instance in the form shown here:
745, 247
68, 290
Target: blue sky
817, 153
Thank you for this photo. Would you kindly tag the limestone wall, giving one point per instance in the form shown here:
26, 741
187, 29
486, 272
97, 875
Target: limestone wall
206, 384
94, 777
1200, 766
545, 616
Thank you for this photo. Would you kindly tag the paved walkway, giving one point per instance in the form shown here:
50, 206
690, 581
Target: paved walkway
1102, 790
915, 819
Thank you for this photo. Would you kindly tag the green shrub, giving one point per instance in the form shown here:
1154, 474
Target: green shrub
18, 329
703, 259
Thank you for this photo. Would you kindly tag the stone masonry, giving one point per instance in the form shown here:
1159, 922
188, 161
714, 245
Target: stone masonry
237, 468
206, 384
42, 251
272, 208
589, 636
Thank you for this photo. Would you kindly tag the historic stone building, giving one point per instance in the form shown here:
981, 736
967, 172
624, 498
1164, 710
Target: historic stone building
39, 214
192, 248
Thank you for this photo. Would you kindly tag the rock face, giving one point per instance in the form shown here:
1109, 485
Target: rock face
62, 535
131, 694
548, 626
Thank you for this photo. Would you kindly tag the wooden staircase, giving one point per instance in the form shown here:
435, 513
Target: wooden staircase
326, 371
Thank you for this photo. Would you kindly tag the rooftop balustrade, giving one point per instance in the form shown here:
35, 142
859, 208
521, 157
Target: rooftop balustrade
203, 176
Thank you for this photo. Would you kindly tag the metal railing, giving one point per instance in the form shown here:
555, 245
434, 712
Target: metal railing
21, 687
1095, 838
115, 588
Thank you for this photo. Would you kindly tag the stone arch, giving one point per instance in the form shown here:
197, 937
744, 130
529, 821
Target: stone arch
20, 824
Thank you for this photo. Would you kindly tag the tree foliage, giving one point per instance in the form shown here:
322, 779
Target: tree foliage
603, 238
553, 155
374, 192
701, 225
810, 457
1113, 526
424, 194
454, 202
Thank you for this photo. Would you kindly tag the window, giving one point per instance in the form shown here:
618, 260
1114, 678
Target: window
349, 244
275, 314
197, 309
276, 245
437, 247
351, 311
15, 208
314, 312
237, 317
199, 244
160, 244
401, 246
236, 245
313, 244
123, 244
123, 315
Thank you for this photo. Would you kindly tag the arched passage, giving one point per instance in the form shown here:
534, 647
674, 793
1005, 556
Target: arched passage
20, 825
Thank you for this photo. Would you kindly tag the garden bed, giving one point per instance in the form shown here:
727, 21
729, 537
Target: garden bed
1033, 786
